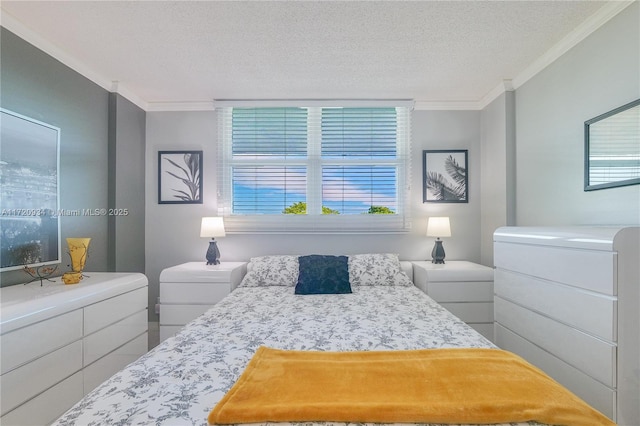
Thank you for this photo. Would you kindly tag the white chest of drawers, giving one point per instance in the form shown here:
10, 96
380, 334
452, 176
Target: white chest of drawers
567, 299
189, 290
58, 342
464, 288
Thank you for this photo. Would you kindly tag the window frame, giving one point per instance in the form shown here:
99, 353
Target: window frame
314, 221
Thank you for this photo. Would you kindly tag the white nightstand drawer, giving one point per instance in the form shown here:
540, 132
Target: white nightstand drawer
472, 291
196, 293
199, 272
454, 270
181, 314
471, 312
190, 289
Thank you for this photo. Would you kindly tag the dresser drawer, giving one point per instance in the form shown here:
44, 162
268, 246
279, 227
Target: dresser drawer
28, 343
115, 361
48, 406
29, 380
196, 293
486, 329
587, 269
589, 354
181, 314
167, 331
474, 291
101, 314
471, 312
106, 340
585, 310
599, 396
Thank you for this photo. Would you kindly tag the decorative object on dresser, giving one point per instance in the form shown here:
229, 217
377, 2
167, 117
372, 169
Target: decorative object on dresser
438, 227
212, 227
78, 251
190, 289
567, 300
40, 273
59, 342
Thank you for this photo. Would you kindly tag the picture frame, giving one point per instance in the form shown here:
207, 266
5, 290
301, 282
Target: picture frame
180, 177
30, 193
445, 176
611, 148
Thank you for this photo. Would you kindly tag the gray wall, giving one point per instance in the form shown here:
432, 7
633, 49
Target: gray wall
38, 86
126, 185
172, 231
599, 74
497, 170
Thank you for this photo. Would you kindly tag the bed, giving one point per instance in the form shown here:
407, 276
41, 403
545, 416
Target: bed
182, 379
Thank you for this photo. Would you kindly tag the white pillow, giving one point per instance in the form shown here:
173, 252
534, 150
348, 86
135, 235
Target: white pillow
377, 269
281, 270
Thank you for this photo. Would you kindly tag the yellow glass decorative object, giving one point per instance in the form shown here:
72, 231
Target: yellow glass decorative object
78, 248
71, 277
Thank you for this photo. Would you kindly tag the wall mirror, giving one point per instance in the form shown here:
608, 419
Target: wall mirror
29, 196
612, 148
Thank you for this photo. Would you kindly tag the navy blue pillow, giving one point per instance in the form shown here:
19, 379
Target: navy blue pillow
320, 274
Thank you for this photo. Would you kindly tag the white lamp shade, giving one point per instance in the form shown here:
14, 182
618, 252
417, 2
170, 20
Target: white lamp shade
438, 227
212, 227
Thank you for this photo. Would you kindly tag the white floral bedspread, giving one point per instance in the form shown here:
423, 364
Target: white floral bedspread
182, 379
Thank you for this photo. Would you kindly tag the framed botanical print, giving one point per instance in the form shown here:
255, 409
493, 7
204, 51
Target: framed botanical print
179, 177
445, 176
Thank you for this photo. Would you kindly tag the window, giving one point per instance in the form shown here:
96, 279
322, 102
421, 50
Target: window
318, 168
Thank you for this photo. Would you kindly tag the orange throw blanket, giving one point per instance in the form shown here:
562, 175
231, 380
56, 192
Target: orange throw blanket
467, 386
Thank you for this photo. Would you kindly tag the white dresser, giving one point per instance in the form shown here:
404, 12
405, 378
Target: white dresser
189, 290
58, 342
567, 300
464, 288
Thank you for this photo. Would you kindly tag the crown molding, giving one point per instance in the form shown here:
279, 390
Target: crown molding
581, 32
181, 106
28, 35
446, 105
505, 86
598, 19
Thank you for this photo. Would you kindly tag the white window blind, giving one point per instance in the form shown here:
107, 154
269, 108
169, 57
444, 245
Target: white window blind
314, 169
614, 148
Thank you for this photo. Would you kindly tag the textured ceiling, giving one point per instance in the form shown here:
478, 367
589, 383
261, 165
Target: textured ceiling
195, 51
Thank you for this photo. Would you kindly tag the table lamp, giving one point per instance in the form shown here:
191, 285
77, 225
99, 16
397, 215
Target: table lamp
438, 227
212, 227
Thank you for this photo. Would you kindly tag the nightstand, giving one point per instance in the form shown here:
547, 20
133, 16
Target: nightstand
189, 290
464, 288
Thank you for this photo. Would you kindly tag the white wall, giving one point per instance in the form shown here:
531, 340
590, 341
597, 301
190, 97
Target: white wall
596, 76
172, 231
